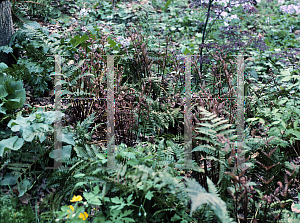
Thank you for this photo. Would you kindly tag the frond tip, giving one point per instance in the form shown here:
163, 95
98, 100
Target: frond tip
200, 196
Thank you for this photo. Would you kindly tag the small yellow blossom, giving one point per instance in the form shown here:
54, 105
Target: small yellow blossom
71, 208
83, 216
76, 198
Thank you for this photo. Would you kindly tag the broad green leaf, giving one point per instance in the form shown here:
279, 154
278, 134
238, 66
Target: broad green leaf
3, 66
96, 189
61, 154
117, 200
132, 162
3, 92
149, 195
29, 133
79, 175
283, 124
6, 49
186, 51
13, 143
68, 138
2, 109
23, 187
286, 78
295, 124
267, 42
296, 133
285, 72
101, 156
251, 119
275, 122
16, 100
9, 179
112, 43
262, 121
77, 40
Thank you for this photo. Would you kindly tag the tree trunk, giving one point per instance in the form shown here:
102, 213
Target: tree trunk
6, 31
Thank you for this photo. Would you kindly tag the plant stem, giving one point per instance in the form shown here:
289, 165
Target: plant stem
203, 34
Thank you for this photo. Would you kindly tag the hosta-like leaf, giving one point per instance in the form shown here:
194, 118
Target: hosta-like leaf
13, 143
61, 154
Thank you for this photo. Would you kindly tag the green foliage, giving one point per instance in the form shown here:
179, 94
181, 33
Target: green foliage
200, 196
12, 211
35, 66
12, 94
30, 137
43, 9
161, 188
290, 217
38, 124
158, 118
212, 132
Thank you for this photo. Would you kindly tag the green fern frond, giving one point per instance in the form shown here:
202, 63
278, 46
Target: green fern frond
209, 130
205, 148
200, 196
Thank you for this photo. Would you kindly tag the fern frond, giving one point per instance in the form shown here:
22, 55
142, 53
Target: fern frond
200, 196
205, 148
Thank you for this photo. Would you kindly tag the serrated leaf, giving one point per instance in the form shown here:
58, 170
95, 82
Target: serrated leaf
91, 198
149, 195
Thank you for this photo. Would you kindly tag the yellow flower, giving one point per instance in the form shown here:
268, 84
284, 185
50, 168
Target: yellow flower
83, 216
71, 208
76, 198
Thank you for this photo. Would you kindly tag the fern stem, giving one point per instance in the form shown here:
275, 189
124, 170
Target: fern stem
206, 173
246, 205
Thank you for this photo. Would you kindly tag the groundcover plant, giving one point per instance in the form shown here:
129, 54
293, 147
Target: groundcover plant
150, 111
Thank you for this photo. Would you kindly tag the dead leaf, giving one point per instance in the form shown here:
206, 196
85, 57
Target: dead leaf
260, 35
24, 199
294, 209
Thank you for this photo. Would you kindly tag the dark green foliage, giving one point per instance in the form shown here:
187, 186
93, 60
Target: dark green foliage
12, 211
35, 65
12, 94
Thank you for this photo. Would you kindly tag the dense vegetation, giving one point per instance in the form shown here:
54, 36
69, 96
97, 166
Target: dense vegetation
151, 41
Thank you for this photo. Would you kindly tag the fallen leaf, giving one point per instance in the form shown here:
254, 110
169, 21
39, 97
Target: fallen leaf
294, 209
24, 199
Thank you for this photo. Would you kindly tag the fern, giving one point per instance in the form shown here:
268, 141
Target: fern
160, 117
200, 196
209, 129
